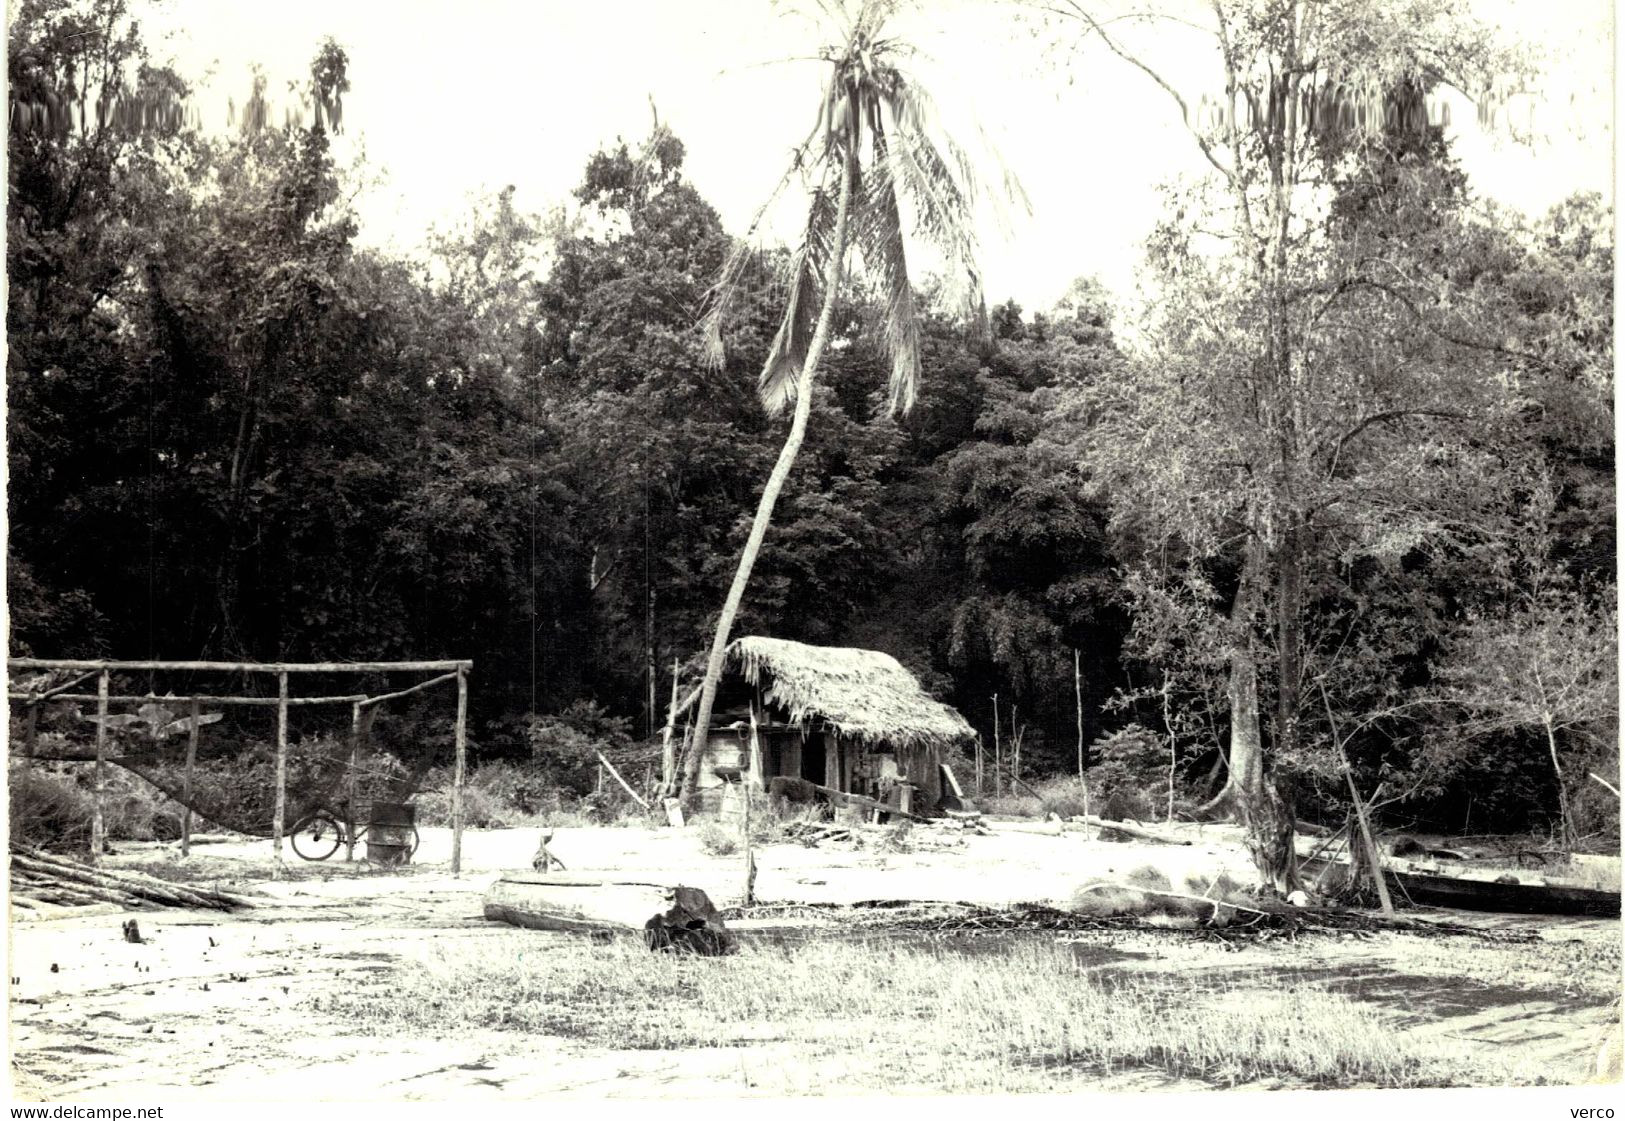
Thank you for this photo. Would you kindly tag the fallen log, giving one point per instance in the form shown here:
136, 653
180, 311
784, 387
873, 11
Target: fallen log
668, 918
1126, 829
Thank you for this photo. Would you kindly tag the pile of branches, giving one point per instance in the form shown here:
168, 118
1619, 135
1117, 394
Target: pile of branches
1266, 923
39, 878
814, 833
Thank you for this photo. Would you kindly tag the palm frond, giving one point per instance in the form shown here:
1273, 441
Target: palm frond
888, 255
780, 379
720, 296
941, 204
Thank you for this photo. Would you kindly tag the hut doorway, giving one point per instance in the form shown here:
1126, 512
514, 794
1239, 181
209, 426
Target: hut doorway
812, 764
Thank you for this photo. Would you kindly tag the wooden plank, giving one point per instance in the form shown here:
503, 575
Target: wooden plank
186, 783
753, 774
280, 809
98, 822
444, 666
457, 774
624, 785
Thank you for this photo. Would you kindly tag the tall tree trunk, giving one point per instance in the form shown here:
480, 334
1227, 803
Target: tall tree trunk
1246, 763
1249, 794
694, 749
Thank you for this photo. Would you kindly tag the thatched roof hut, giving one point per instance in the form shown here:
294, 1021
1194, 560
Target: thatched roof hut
854, 720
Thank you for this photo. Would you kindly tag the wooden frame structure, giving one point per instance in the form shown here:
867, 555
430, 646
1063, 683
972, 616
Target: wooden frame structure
359, 704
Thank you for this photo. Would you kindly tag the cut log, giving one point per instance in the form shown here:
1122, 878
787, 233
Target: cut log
1135, 831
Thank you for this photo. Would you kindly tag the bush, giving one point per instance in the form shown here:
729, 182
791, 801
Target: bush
1013, 805
1129, 780
1063, 796
716, 839
52, 806
48, 809
567, 744
500, 795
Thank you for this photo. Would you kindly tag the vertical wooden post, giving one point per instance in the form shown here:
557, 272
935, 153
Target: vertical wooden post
457, 773
98, 822
1015, 749
31, 736
349, 795
750, 855
668, 756
998, 751
279, 814
186, 782
1077, 687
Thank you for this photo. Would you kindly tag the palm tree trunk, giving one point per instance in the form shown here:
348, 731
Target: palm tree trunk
694, 750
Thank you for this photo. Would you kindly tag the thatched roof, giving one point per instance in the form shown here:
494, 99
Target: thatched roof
861, 693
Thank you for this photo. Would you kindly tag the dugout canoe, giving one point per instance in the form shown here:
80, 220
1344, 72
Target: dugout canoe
1437, 890
561, 901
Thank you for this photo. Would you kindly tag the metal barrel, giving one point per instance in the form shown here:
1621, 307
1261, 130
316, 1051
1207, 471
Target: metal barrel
389, 833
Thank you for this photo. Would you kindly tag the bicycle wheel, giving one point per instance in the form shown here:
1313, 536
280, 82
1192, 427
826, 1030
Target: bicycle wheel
318, 836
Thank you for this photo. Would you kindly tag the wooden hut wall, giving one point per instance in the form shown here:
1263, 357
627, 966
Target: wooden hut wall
919, 766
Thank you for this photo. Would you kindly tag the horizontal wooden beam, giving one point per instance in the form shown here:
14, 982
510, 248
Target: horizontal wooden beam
244, 667
153, 698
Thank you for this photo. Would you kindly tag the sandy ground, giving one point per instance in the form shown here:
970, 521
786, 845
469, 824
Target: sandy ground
215, 1006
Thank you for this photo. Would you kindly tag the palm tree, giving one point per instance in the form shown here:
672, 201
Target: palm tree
875, 147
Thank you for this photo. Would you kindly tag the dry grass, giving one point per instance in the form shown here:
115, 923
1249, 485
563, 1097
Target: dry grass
1028, 1018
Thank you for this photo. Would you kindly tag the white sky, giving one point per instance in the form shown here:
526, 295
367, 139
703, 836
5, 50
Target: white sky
450, 99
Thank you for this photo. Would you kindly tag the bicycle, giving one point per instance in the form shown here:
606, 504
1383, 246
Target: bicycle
319, 834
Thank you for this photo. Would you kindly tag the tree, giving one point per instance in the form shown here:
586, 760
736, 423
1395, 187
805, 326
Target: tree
1549, 664
873, 147
1311, 384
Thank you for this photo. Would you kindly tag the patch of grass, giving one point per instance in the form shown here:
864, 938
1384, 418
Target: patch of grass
716, 839
1025, 1018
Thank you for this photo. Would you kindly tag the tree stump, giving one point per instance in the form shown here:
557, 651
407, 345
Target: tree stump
692, 926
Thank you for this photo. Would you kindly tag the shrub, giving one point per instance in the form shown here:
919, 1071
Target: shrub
1013, 805
716, 839
568, 744
1129, 779
1063, 796
52, 806
499, 795
48, 809
897, 838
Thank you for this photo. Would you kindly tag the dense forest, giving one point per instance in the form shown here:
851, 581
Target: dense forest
233, 433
